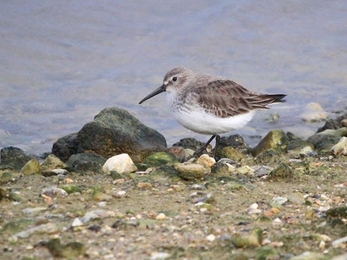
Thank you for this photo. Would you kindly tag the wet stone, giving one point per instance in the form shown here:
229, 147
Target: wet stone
206, 160
69, 251
190, 143
190, 171
159, 158
31, 167
66, 146
282, 171
235, 141
85, 163
248, 240
13, 158
52, 162
223, 168
336, 123
324, 141
113, 131
230, 153
340, 148
268, 157
275, 139
7, 176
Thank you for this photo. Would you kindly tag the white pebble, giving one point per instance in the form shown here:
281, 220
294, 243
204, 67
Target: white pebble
121, 163
160, 216
211, 238
277, 222
76, 223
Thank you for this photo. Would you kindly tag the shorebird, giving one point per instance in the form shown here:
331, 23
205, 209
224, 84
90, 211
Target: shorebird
210, 105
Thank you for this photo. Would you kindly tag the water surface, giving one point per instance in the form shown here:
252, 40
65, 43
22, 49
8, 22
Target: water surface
61, 62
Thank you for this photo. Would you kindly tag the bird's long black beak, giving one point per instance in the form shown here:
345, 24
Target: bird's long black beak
159, 90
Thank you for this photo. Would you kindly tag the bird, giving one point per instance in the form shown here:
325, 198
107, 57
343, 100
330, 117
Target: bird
210, 105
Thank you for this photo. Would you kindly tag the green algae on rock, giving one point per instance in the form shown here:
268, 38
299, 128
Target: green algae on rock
31, 167
275, 139
159, 158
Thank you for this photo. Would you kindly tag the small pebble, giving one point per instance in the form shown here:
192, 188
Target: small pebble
206, 160
160, 216
277, 222
76, 223
211, 238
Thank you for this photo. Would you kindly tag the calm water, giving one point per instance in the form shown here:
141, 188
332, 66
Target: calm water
61, 62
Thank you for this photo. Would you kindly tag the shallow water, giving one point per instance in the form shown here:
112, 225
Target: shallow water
61, 62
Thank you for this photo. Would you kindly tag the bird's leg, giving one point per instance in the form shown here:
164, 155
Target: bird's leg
203, 148
216, 146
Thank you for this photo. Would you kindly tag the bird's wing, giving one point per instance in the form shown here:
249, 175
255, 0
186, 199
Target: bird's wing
225, 98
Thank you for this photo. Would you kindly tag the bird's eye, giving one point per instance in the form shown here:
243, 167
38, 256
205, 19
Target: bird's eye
174, 78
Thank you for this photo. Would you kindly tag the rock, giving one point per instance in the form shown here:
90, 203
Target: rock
159, 256
230, 153
121, 163
66, 146
190, 143
282, 171
113, 131
250, 240
339, 241
178, 152
96, 214
313, 113
71, 250
334, 123
327, 139
85, 163
223, 168
299, 148
261, 170
206, 160
340, 148
337, 212
160, 216
275, 139
54, 192
54, 172
70, 188
31, 167
308, 256
77, 223
52, 162
34, 211
48, 228
307, 151
13, 158
235, 141
268, 157
7, 194
278, 202
211, 238
6, 177
190, 171
296, 198
159, 158
245, 170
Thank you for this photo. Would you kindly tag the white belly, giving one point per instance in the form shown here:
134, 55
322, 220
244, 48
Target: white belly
204, 123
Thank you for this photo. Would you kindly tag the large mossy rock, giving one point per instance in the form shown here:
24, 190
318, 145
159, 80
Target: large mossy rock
113, 131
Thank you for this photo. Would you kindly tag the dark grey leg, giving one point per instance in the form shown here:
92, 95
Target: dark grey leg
203, 148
